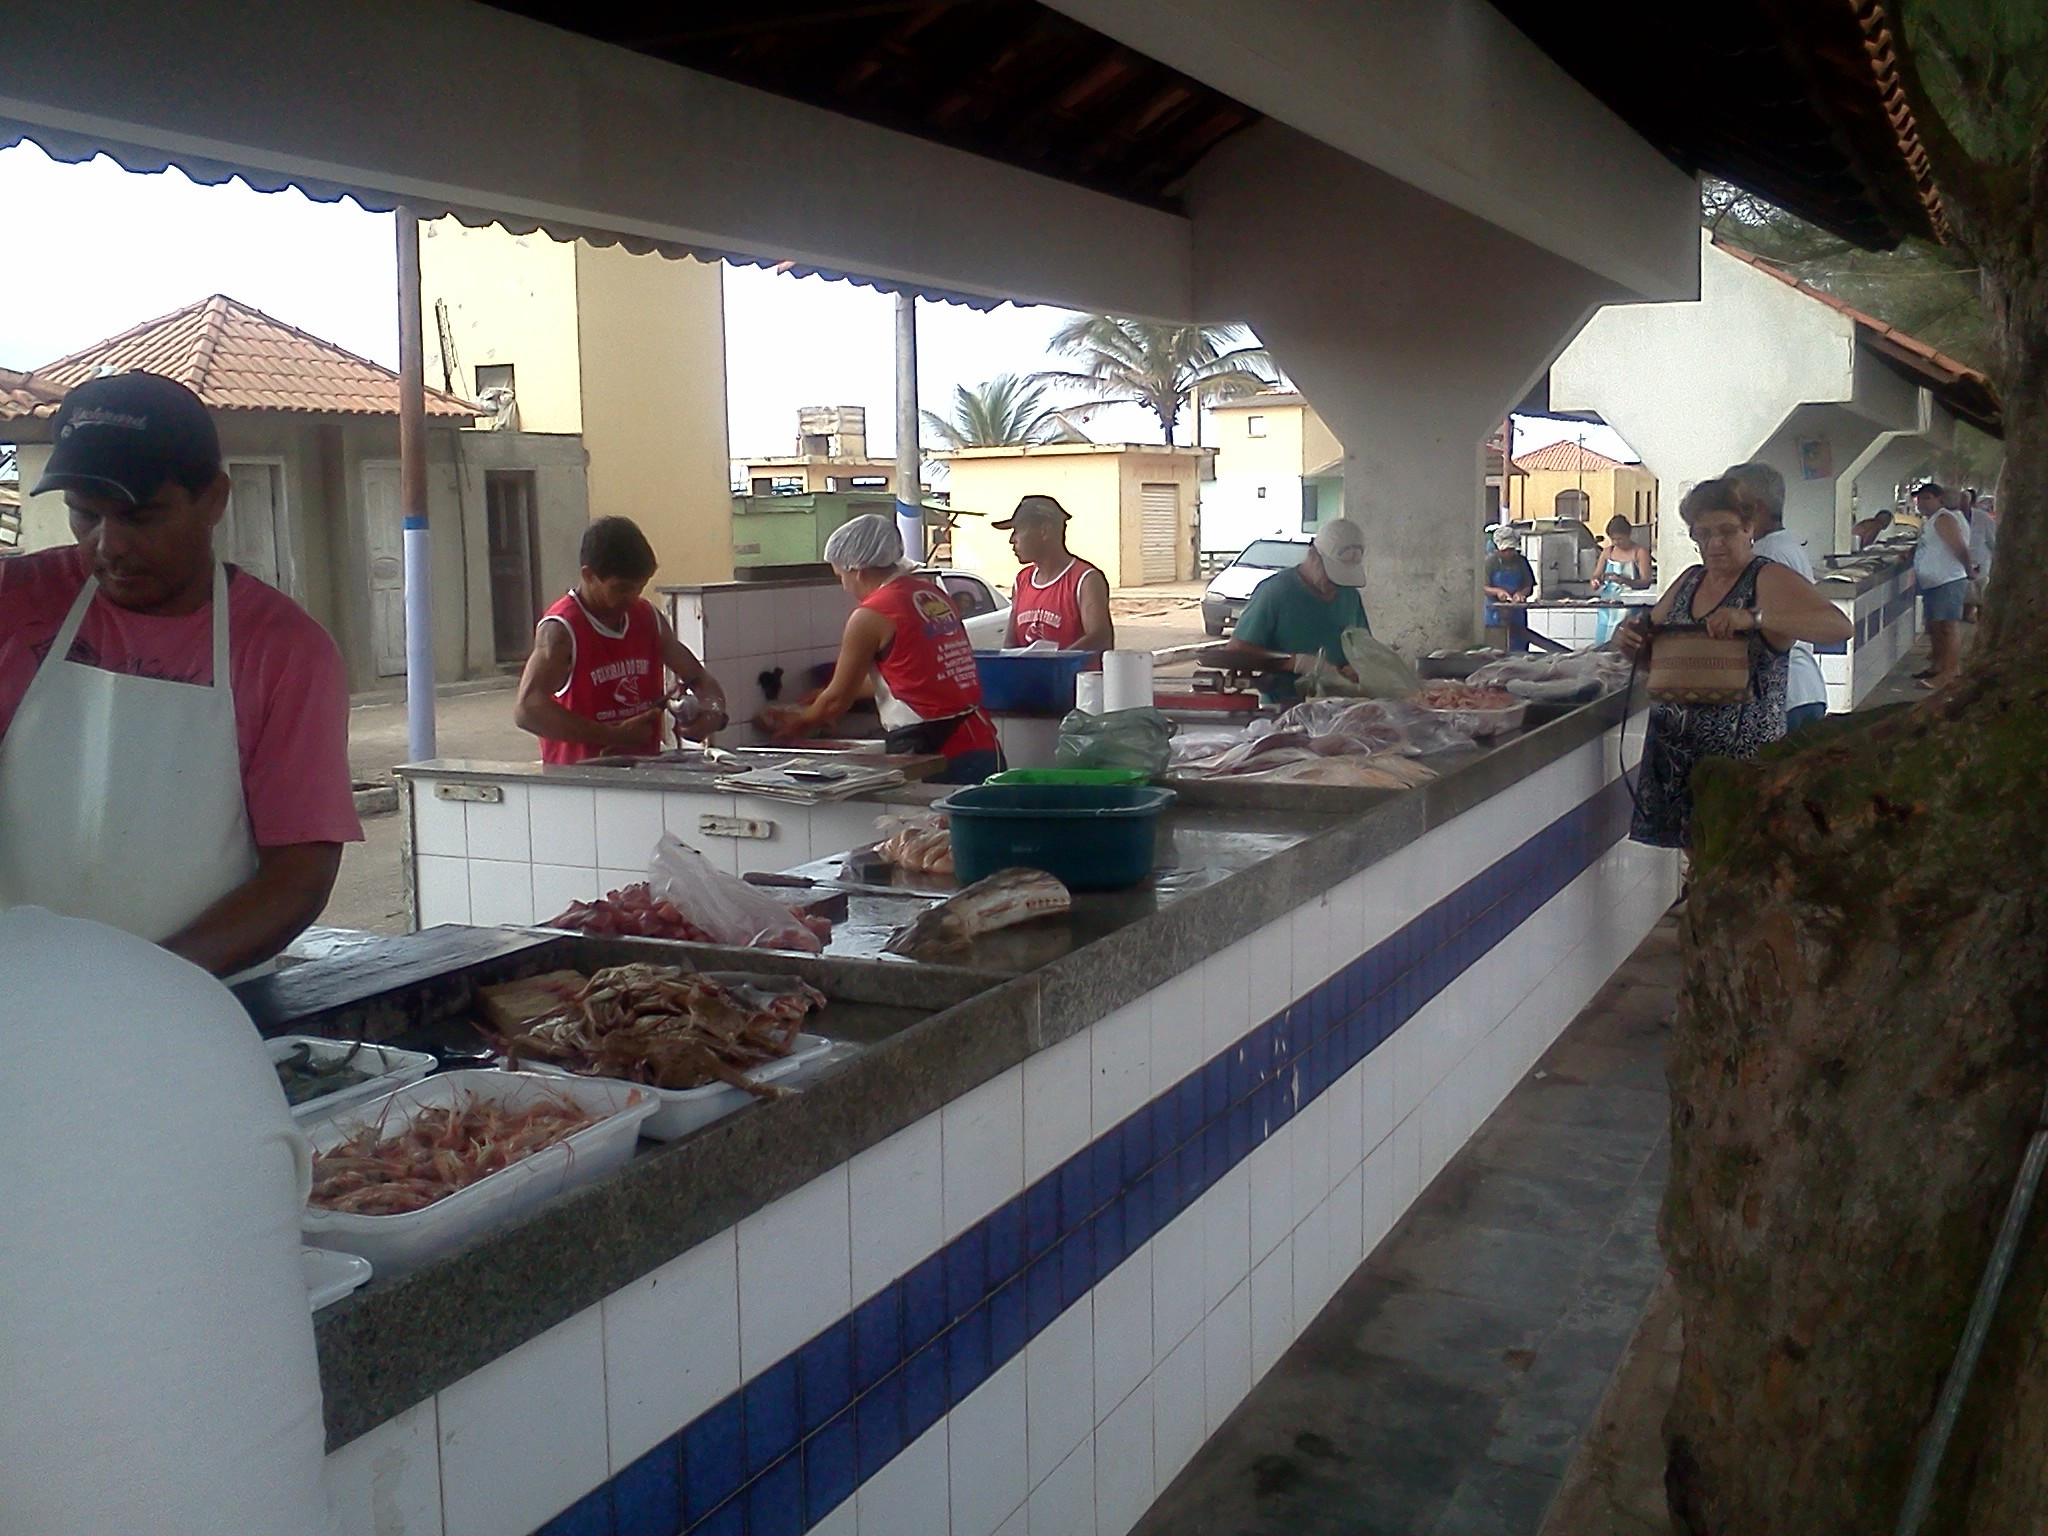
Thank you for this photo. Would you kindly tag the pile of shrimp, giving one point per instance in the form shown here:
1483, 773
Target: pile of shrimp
670, 1028
387, 1173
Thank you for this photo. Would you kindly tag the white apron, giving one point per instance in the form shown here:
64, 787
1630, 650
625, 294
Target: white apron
120, 796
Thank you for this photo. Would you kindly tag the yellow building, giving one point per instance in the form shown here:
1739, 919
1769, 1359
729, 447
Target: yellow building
1570, 479
1279, 469
1132, 505
628, 351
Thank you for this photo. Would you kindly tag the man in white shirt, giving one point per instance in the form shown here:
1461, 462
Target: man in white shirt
1806, 694
1942, 568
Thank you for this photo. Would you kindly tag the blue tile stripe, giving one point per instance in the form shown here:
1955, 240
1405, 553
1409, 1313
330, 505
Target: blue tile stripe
778, 1455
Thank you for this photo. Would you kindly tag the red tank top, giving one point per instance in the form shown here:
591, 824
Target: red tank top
1053, 611
929, 666
611, 677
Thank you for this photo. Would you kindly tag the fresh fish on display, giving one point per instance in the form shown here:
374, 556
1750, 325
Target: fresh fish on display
1005, 899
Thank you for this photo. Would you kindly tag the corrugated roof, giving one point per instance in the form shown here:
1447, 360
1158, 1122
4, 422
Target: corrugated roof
1568, 457
236, 358
1966, 391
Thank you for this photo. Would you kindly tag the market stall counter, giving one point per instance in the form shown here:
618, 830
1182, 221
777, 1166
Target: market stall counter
1195, 1107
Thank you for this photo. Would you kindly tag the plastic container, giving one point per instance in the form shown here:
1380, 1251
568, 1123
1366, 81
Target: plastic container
399, 1244
331, 1275
390, 1069
1092, 837
683, 1110
1030, 682
1094, 776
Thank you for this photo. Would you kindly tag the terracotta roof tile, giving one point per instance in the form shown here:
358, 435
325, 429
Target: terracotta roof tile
1567, 456
239, 359
22, 396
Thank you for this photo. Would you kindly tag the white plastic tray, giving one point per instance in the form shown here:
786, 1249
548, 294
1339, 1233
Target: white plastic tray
389, 1069
331, 1275
683, 1110
398, 1244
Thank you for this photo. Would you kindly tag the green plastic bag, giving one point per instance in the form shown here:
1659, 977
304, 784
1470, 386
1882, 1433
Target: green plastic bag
1125, 738
1381, 672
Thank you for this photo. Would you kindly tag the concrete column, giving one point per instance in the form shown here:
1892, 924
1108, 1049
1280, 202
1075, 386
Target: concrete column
1411, 327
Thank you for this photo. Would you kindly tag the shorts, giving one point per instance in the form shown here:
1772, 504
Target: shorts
1943, 604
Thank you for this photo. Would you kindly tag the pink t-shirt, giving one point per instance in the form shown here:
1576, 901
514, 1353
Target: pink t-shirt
291, 690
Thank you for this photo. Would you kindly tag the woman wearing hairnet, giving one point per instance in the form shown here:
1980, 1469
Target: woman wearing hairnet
906, 635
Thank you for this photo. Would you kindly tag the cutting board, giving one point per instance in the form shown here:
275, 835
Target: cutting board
509, 1006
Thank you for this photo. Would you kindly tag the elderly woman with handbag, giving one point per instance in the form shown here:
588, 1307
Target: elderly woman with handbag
1716, 645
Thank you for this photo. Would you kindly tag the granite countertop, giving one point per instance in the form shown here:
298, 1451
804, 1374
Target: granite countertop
1871, 568
396, 1343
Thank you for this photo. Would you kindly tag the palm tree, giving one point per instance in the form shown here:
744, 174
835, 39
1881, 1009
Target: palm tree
1161, 367
1000, 413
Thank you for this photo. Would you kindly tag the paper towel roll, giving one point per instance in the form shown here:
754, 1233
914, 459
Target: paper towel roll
1088, 692
1126, 680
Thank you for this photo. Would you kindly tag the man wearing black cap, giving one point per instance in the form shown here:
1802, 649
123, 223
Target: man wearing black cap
1059, 596
173, 732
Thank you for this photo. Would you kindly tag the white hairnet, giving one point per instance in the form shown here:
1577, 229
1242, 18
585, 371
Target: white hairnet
868, 543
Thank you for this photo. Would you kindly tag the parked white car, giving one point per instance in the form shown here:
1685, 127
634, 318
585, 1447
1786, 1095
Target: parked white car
983, 605
1228, 591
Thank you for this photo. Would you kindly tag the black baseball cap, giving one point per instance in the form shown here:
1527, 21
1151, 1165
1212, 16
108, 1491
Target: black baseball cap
1034, 509
126, 434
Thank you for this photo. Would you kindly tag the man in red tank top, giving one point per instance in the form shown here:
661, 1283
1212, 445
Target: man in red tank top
1059, 596
595, 683
907, 636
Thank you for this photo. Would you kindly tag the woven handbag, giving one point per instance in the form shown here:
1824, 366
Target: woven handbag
1689, 666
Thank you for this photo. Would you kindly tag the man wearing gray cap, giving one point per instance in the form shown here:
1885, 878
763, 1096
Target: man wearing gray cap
1059, 596
1304, 612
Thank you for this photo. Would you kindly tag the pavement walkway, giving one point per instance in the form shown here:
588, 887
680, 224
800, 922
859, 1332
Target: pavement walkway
1445, 1388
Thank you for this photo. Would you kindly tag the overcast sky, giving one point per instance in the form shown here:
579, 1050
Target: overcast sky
95, 250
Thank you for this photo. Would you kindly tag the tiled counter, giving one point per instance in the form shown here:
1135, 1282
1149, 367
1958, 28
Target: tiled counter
1882, 602
1067, 1224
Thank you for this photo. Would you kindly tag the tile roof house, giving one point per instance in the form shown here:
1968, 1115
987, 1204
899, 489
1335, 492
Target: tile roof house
1570, 480
309, 433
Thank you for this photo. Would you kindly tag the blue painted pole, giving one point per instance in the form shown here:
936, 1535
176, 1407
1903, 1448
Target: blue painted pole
909, 462
412, 490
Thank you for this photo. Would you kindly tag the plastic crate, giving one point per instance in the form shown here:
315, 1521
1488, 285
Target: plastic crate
1091, 837
1030, 682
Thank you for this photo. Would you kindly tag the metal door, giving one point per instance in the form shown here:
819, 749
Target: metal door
384, 531
1159, 533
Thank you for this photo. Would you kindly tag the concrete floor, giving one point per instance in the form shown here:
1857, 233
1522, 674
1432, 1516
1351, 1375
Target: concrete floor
1447, 1386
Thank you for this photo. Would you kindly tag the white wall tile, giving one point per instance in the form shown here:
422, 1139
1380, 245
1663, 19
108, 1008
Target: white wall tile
908, 1497
1123, 1464
1123, 1331
442, 888
1308, 1147
1064, 1504
1272, 1308
1178, 1281
388, 1482
500, 831
556, 885
1226, 1236
1120, 1048
680, 813
843, 1521
609, 880
1380, 1202
986, 1447
671, 1347
794, 1270
438, 826
1019, 1523
895, 1186
1059, 1387
1270, 970
1346, 1121
1347, 1228
1179, 1029
842, 825
524, 1438
1311, 925
628, 826
1376, 1097
984, 1150
500, 893
1178, 1415
786, 847
1226, 997
563, 823
1312, 1287
1227, 1355
1056, 1104
1270, 1172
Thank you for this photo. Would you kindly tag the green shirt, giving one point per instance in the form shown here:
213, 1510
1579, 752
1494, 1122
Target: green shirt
1285, 615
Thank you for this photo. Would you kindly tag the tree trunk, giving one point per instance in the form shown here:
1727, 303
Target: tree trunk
1860, 1058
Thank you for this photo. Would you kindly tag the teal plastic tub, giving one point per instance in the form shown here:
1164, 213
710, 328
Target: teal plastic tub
1093, 837
1096, 777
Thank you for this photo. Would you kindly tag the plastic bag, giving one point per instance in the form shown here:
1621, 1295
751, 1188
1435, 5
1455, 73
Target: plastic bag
1556, 678
1381, 672
724, 906
1124, 738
